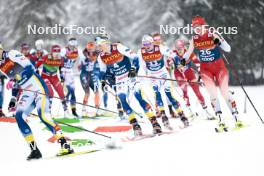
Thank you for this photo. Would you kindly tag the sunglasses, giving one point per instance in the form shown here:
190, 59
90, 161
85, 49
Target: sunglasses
147, 44
157, 38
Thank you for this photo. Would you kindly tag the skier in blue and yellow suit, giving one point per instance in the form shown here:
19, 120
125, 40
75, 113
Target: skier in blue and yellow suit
123, 63
34, 94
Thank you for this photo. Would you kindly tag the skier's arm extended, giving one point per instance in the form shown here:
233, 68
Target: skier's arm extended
218, 39
169, 53
130, 54
189, 51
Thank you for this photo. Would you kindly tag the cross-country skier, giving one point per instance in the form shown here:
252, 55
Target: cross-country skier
18, 69
90, 76
71, 53
25, 50
51, 64
152, 59
38, 52
124, 65
209, 46
186, 75
157, 40
111, 84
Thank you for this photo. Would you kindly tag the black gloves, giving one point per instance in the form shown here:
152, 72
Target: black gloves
103, 83
217, 41
37, 71
12, 103
199, 78
132, 72
62, 78
183, 62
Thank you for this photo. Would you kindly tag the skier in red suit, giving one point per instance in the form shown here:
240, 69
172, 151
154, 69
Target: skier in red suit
186, 75
208, 46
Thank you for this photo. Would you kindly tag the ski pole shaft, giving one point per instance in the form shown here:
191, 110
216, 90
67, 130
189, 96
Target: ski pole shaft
37, 92
81, 128
242, 86
168, 79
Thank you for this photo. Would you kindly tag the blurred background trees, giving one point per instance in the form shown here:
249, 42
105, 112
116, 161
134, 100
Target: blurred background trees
127, 21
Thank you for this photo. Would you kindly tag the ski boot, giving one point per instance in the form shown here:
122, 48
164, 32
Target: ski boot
165, 120
172, 113
99, 112
121, 115
2, 113
74, 113
35, 152
239, 123
184, 119
136, 127
221, 128
65, 147
84, 112
156, 126
64, 105
158, 113
12, 110
208, 114
221, 125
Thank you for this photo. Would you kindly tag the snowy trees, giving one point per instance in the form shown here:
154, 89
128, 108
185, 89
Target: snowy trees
127, 21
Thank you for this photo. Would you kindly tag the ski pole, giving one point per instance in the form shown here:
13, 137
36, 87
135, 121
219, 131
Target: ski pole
80, 128
67, 100
168, 79
242, 86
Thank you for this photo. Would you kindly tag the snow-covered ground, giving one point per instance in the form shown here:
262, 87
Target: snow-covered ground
197, 150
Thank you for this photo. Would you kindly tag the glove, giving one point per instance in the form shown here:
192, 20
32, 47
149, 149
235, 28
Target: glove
132, 72
10, 84
12, 104
37, 71
217, 41
103, 83
199, 78
183, 62
62, 78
